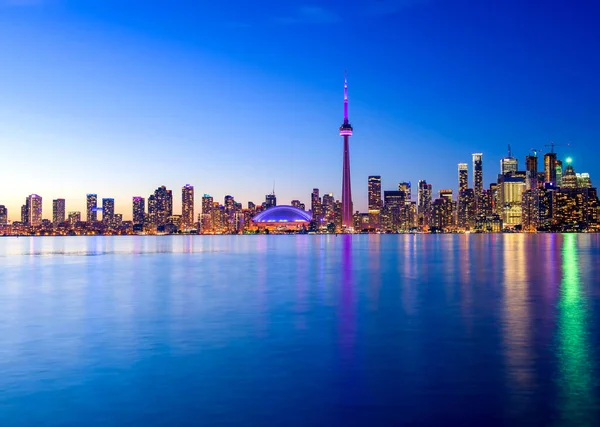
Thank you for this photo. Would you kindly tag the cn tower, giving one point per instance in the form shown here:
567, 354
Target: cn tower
346, 132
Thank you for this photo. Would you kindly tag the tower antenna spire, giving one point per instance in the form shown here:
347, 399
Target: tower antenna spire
345, 97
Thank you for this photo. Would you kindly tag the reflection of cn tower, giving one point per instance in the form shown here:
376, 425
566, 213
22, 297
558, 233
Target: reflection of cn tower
346, 132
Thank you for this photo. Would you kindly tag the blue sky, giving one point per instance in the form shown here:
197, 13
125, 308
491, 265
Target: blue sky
120, 97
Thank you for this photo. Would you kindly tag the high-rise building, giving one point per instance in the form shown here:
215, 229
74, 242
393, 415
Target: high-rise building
511, 198
466, 209
207, 218
25, 212
316, 206
346, 133
509, 164
550, 168
391, 214
58, 211
375, 204
478, 180
108, 212
569, 179
463, 176
91, 206
531, 171
559, 172
139, 210
74, 218
270, 200
187, 208
424, 196
3, 215
583, 180
152, 212
328, 208
35, 210
406, 187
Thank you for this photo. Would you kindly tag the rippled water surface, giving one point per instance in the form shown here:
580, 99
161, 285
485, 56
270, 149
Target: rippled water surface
300, 330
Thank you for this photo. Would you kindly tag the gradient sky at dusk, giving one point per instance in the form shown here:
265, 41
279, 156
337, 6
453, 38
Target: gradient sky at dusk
119, 97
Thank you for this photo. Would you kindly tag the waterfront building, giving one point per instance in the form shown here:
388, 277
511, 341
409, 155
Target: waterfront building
3, 215
108, 212
374, 199
187, 208
424, 200
139, 210
316, 207
91, 208
270, 200
550, 168
207, 217
34, 203
391, 216
466, 209
406, 187
74, 218
531, 172
58, 211
478, 180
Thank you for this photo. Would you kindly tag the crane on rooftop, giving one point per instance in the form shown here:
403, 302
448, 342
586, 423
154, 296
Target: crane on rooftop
552, 145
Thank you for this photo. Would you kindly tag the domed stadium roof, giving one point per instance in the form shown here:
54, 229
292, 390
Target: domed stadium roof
282, 214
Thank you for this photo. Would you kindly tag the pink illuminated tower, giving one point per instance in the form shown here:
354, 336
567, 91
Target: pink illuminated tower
346, 132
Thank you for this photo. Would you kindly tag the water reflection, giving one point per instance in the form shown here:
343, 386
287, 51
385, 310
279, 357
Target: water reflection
577, 403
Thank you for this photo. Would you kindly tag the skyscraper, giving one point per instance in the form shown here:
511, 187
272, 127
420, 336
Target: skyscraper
375, 205
478, 180
531, 172
207, 208
315, 206
550, 167
92, 205
139, 210
463, 176
559, 172
3, 215
406, 187
187, 208
328, 206
163, 200
108, 212
58, 211
74, 218
346, 133
25, 212
271, 200
424, 202
35, 210
509, 164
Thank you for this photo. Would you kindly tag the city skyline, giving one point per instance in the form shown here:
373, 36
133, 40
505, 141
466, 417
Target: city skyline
146, 104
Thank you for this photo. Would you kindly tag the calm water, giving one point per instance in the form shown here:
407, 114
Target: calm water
300, 330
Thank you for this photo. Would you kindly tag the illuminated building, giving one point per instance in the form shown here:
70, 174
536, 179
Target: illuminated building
409, 216
207, 217
441, 214
511, 198
35, 210
406, 187
298, 204
25, 212
337, 215
118, 221
466, 209
489, 224
315, 206
424, 201
550, 168
391, 214
152, 212
530, 206
509, 164
251, 206
449, 208
463, 176
478, 180
531, 171
3, 215
108, 212
346, 133
139, 210
58, 211
229, 212
375, 204
328, 208
187, 208
270, 200
559, 173
583, 180
92, 205
282, 218
74, 218
569, 179
163, 199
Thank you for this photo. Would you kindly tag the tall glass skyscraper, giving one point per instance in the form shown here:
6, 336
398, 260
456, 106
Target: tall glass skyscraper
139, 210
478, 181
35, 210
108, 212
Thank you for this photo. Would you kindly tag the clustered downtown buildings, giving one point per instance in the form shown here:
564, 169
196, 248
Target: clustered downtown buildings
553, 200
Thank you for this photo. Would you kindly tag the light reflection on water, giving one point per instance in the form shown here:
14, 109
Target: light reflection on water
300, 330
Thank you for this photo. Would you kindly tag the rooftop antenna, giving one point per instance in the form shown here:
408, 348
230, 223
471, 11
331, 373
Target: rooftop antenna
509, 152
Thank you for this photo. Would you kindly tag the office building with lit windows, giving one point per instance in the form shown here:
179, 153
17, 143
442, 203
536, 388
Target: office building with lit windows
187, 208
91, 206
58, 211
